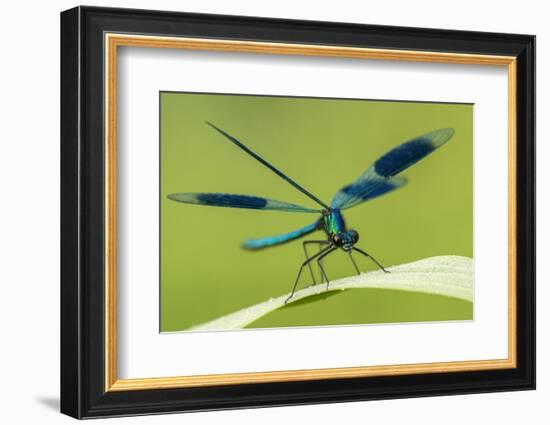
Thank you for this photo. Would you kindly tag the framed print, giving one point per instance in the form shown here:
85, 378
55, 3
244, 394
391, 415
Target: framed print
261, 212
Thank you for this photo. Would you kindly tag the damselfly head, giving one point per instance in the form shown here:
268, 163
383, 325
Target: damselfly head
345, 240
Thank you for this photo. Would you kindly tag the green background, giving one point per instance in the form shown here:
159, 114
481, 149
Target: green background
323, 144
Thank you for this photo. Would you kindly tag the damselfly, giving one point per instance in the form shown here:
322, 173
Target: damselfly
379, 179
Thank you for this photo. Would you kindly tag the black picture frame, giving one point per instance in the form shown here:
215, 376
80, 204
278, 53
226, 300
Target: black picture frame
83, 392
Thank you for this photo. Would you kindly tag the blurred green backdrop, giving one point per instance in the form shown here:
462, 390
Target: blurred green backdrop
323, 144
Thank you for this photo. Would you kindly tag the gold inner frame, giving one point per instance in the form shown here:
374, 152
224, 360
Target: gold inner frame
113, 41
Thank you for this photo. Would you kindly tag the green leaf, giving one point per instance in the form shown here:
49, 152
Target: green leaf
449, 276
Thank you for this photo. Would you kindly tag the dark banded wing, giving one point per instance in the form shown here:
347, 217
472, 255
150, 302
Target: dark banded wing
238, 201
370, 187
379, 178
254, 244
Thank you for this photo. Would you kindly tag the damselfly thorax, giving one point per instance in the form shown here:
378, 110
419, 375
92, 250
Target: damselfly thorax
334, 226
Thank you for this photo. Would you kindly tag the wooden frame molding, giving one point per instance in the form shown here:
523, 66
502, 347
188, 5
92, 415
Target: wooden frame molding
113, 41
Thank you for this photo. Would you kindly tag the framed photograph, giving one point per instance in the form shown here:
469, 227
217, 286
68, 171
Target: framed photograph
261, 212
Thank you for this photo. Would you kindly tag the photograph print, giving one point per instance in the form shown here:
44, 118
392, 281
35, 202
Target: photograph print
282, 212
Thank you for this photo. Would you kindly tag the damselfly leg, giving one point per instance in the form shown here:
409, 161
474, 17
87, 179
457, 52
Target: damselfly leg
324, 253
305, 263
372, 258
320, 243
354, 263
